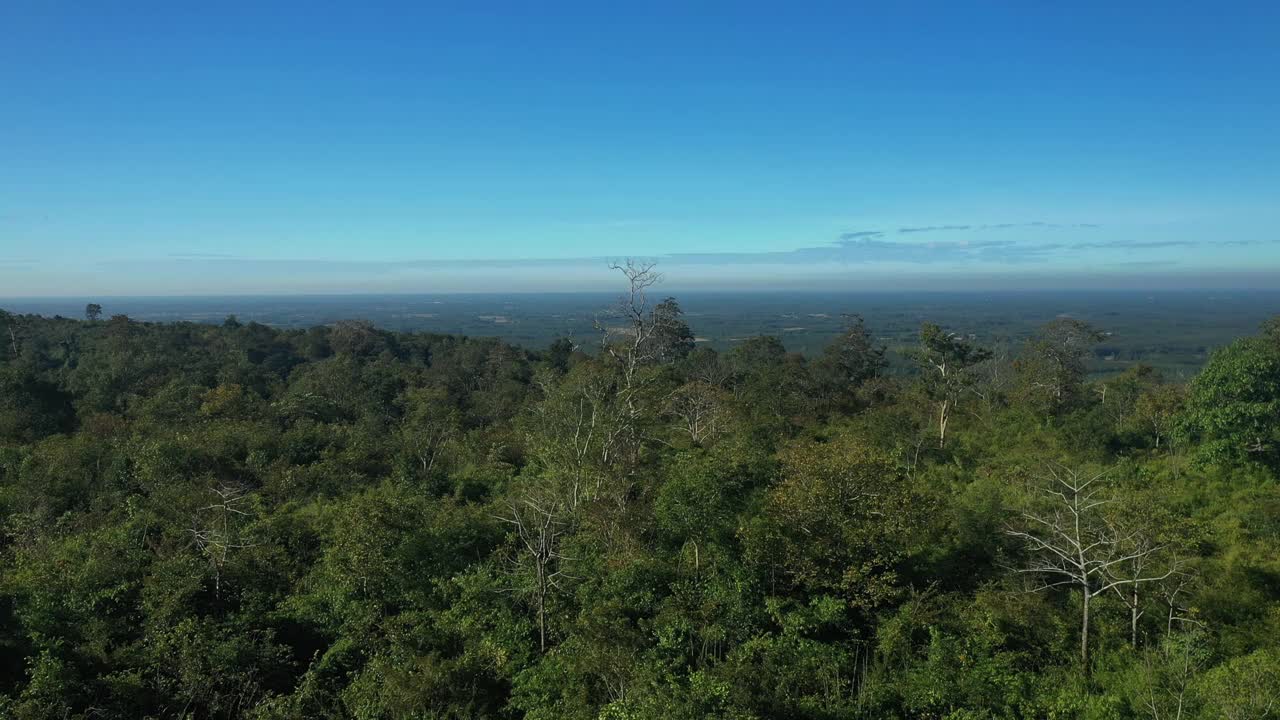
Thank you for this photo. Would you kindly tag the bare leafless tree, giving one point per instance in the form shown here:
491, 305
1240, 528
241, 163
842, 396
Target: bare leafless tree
1144, 562
1153, 540
216, 528
9, 322
427, 427
636, 335
1171, 591
628, 329
1072, 545
540, 526
427, 443
698, 410
580, 429
1167, 675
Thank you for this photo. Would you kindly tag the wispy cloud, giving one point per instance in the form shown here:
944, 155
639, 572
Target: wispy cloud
934, 228
1144, 263
864, 249
860, 234
858, 247
1138, 244
995, 226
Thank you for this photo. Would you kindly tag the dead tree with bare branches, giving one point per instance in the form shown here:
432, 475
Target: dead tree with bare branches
1171, 593
579, 431
629, 329
540, 526
1146, 562
1167, 675
10, 321
698, 410
1071, 544
216, 529
636, 336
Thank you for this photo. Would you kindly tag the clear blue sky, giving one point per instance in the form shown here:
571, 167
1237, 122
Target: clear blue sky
172, 148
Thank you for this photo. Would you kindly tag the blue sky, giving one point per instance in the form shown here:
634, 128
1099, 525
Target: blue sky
171, 148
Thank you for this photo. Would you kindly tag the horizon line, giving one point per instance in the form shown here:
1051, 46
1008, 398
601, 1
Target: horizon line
758, 291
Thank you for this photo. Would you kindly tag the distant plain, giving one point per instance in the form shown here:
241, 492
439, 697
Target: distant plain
1172, 330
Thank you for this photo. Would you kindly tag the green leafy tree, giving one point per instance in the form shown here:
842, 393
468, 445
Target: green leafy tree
770, 385
31, 407
839, 523
672, 338
1233, 406
1243, 688
1157, 411
429, 426
1053, 365
946, 361
848, 361
1119, 394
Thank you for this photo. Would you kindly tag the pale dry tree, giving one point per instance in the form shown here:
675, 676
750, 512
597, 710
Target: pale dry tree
216, 528
1171, 592
9, 322
636, 335
580, 428
540, 528
1071, 544
1145, 561
628, 328
1167, 675
698, 410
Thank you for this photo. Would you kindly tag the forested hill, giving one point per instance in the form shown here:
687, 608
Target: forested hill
232, 521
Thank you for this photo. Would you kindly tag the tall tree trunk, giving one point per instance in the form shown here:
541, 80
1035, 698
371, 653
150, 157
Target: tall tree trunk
542, 609
944, 414
1084, 631
1133, 617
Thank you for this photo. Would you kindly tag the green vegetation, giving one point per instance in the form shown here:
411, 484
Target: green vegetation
236, 521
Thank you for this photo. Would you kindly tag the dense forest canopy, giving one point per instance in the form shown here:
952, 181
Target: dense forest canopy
234, 521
